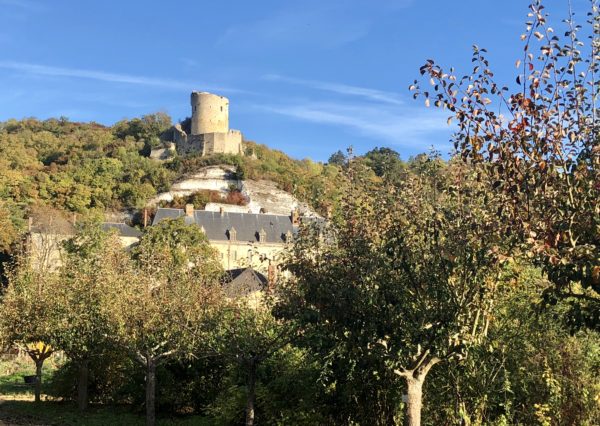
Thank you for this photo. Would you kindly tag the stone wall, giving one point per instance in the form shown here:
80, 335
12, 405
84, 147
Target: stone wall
191, 144
243, 254
207, 131
222, 143
210, 113
46, 251
163, 154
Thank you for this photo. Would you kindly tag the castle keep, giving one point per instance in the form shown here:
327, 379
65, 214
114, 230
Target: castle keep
207, 132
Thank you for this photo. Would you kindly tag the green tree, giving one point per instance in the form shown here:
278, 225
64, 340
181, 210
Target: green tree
338, 158
81, 325
403, 280
147, 129
10, 226
542, 155
532, 370
26, 314
167, 296
385, 162
248, 335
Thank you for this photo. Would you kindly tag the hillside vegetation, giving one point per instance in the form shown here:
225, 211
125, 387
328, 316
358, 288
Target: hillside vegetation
88, 168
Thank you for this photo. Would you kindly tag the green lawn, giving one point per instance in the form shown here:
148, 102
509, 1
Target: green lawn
62, 413
12, 371
17, 406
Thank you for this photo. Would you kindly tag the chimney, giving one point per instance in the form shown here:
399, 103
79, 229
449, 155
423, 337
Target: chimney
222, 210
295, 218
145, 217
189, 210
74, 219
30, 224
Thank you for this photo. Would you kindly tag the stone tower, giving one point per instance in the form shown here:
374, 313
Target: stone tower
210, 113
209, 129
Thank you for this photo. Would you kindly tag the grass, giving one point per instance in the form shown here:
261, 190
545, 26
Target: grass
18, 408
63, 413
12, 370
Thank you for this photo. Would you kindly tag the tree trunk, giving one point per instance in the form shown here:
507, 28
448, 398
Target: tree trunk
150, 392
414, 401
82, 385
38, 379
251, 393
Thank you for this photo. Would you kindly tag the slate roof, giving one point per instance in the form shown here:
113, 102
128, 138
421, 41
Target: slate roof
247, 226
123, 230
243, 281
67, 228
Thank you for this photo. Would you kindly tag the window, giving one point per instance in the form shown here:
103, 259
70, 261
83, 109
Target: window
232, 234
262, 236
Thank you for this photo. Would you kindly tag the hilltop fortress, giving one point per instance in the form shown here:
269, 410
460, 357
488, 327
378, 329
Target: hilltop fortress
206, 132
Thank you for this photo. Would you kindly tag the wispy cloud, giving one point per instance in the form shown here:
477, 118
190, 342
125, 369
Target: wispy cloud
401, 126
323, 25
343, 89
165, 83
316, 24
22, 4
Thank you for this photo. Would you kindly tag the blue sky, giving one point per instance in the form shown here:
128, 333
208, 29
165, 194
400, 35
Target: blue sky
308, 77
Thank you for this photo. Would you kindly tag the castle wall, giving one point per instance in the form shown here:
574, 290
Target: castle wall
207, 131
190, 144
179, 135
223, 142
210, 113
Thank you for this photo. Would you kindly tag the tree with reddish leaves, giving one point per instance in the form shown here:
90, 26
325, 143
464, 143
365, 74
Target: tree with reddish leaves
539, 149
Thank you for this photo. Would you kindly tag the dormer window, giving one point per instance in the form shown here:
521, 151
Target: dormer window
262, 236
289, 237
232, 234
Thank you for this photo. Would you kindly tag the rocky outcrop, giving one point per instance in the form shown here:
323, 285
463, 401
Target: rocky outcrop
263, 196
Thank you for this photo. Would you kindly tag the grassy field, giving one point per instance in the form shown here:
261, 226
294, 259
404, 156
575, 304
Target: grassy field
18, 408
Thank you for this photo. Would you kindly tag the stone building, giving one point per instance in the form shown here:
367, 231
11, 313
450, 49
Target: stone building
242, 239
207, 131
44, 240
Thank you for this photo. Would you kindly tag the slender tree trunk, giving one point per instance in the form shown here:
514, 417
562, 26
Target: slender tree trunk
38, 379
414, 381
414, 401
82, 385
150, 392
251, 393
